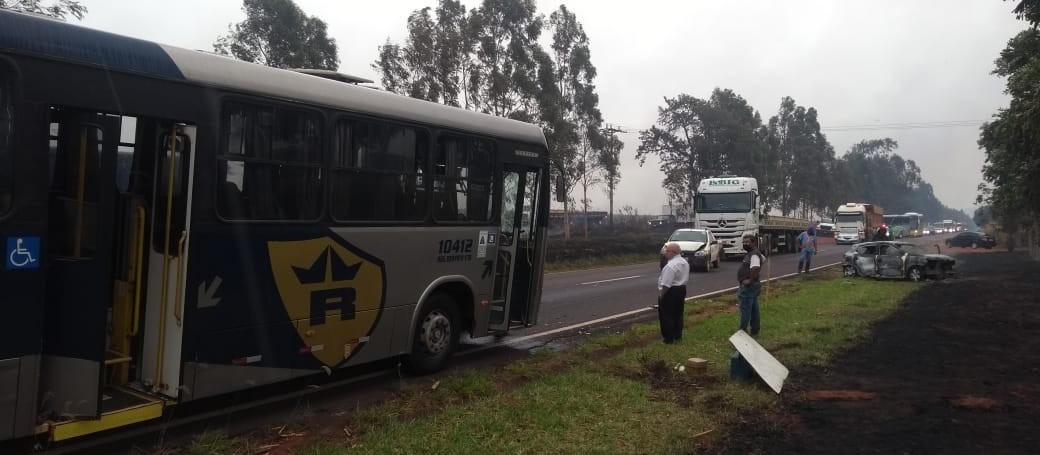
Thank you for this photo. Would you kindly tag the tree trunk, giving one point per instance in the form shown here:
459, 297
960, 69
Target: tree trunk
566, 221
585, 209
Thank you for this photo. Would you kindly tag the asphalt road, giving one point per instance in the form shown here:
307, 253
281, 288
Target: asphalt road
578, 297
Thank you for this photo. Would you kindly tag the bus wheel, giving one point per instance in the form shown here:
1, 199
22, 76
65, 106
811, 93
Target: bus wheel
436, 335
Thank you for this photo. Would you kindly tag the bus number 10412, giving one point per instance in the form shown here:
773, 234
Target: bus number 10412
455, 246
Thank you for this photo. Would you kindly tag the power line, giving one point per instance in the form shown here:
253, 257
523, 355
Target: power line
905, 125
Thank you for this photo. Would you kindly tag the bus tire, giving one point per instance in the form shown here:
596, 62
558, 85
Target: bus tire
435, 336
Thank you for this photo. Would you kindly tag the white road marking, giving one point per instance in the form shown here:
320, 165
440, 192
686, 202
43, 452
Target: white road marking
612, 279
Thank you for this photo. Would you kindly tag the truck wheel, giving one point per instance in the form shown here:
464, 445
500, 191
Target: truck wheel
436, 335
849, 270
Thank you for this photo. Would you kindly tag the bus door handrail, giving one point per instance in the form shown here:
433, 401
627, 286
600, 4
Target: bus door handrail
138, 265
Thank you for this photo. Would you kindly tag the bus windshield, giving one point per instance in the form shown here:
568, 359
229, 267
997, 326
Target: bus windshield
723, 202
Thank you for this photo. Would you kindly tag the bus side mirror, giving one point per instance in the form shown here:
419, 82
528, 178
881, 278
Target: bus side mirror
561, 195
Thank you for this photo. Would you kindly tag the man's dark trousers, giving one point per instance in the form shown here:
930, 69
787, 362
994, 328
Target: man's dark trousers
670, 313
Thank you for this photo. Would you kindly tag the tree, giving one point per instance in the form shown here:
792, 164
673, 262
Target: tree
801, 158
576, 153
433, 61
503, 80
695, 138
58, 9
1012, 160
983, 216
278, 33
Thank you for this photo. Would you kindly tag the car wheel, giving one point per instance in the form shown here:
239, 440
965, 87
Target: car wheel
849, 270
914, 274
436, 335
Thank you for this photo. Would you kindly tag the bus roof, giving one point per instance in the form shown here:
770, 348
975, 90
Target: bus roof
53, 39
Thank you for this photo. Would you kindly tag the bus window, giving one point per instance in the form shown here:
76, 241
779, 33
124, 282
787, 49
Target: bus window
271, 164
6, 128
462, 179
378, 172
74, 189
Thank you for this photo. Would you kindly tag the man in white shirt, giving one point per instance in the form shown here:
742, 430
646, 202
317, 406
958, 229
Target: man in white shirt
671, 293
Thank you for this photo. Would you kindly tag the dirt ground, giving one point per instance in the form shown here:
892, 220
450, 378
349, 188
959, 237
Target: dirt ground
953, 371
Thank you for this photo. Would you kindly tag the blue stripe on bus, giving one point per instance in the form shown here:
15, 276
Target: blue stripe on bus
23, 33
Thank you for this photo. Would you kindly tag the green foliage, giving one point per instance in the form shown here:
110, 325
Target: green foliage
874, 173
278, 33
490, 60
983, 216
1028, 10
214, 443
695, 138
800, 177
432, 63
58, 9
577, 159
1012, 159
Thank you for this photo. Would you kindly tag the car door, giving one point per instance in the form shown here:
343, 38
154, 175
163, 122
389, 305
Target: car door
866, 259
890, 262
713, 249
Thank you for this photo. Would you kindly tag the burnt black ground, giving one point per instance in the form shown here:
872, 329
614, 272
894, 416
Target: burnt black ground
955, 370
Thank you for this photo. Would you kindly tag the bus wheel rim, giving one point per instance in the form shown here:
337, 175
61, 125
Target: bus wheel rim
436, 332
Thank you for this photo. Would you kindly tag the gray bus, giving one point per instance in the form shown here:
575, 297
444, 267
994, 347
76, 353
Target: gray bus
180, 225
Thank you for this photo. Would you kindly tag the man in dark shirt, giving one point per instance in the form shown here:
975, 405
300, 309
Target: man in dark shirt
750, 286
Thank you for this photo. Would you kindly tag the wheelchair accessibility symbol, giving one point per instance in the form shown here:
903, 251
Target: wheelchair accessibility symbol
22, 253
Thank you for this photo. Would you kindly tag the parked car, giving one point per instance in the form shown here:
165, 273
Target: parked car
699, 247
661, 222
896, 260
972, 239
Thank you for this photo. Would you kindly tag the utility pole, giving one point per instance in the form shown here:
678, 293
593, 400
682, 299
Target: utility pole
609, 132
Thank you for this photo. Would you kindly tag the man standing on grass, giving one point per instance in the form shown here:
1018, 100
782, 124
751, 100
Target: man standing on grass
671, 293
750, 286
807, 242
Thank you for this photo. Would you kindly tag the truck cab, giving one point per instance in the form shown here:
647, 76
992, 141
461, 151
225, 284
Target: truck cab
728, 206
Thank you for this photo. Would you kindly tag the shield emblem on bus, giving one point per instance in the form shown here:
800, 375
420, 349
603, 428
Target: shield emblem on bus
333, 293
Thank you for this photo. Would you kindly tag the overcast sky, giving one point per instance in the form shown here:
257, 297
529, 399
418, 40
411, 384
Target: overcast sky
857, 63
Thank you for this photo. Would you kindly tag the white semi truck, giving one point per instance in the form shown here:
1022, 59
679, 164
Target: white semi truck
857, 222
730, 207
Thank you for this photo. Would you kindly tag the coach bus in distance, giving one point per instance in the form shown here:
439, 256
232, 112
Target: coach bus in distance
179, 225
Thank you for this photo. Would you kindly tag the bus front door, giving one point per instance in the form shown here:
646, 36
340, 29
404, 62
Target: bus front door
517, 274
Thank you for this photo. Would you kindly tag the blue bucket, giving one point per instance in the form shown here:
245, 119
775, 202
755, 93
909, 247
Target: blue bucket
739, 368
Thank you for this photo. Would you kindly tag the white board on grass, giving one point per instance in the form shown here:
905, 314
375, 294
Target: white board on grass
768, 368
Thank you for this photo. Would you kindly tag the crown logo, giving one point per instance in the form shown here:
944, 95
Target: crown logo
329, 267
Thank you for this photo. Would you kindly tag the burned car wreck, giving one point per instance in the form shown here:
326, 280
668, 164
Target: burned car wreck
896, 260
